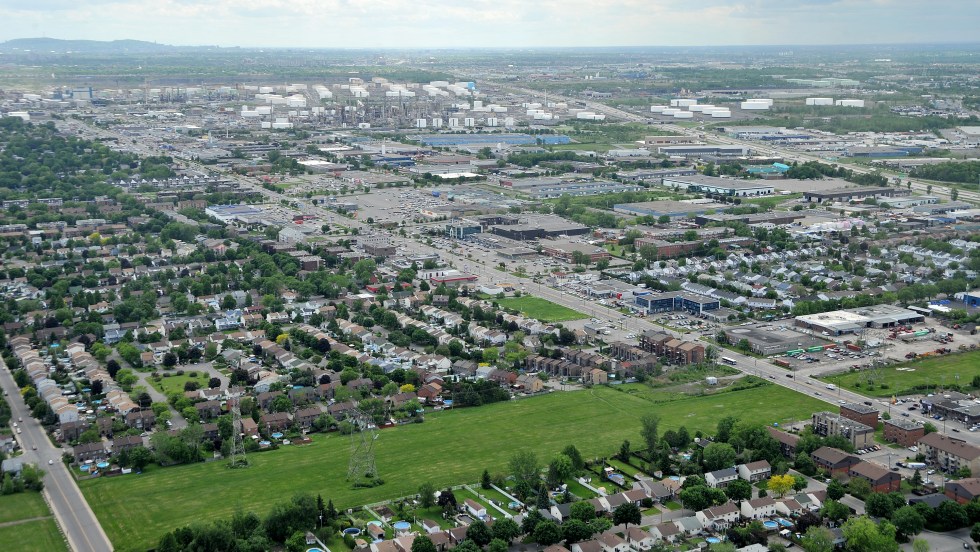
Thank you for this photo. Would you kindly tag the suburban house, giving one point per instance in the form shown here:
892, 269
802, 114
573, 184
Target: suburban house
666, 531
475, 509
306, 416
789, 507
126, 442
277, 421
89, 451
720, 479
787, 441
754, 471
638, 539
689, 525
759, 508
719, 518
611, 542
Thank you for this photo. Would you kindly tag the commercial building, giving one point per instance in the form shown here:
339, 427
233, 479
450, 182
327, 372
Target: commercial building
856, 320
828, 423
534, 227
719, 186
567, 250
669, 302
857, 193
949, 454
767, 340
902, 431
673, 209
377, 246
462, 229
699, 150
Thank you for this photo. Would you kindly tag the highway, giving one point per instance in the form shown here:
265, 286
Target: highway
77, 522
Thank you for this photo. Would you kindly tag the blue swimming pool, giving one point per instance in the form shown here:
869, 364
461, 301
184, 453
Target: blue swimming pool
401, 526
784, 522
713, 540
770, 524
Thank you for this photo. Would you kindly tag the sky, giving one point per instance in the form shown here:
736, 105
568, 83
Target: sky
494, 23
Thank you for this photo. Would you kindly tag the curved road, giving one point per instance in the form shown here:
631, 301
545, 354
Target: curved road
77, 522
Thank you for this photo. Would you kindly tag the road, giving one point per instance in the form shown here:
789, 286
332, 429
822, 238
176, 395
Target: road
77, 522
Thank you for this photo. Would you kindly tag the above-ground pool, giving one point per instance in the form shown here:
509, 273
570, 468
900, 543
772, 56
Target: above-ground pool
313, 550
264, 443
277, 435
352, 531
770, 524
713, 540
784, 522
102, 465
84, 467
401, 526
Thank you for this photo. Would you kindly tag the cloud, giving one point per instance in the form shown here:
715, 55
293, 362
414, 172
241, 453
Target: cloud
494, 23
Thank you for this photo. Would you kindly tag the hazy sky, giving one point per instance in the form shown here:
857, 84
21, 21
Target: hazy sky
494, 23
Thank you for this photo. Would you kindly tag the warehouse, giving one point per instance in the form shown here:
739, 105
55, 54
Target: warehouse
545, 191
771, 340
673, 209
491, 140
719, 186
566, 250
697, 151
533, 227
856, 320
857, 193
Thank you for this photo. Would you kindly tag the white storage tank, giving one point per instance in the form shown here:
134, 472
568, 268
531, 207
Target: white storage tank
700, 108
683, 115
657, 108
453, 122
437, 122
420, 123
719, 114
819, 101
682, 102
850, 103
751, 105
492, 121
670, 111
469, 122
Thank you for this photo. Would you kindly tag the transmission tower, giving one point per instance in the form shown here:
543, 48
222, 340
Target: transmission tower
362, 470
238, 459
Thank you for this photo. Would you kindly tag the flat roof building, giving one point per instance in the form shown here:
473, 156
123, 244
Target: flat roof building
828, 423
857, 193
856, 320
704, 149
770, 340
719, 186
670, 208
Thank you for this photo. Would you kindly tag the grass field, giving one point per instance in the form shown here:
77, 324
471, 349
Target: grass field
449, 448
30, 536
540, 309
931, 372
176, 383
22, 506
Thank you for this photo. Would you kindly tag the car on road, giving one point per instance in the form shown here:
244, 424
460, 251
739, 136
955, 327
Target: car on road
50, 462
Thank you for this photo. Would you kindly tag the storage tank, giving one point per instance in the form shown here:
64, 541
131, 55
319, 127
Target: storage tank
819, 101
453, 122
850, 103
492, 121
469, 121
683, 115
682, 102
420, 123
754, 106
670, 111
436, 122
718, 114
657, 108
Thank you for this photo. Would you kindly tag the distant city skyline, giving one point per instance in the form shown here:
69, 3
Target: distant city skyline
495, 23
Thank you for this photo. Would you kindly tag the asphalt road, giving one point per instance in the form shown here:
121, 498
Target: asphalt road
77, 522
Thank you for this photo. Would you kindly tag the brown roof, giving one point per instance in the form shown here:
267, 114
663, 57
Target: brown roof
871, 471
783, 437
834, 457
955, 447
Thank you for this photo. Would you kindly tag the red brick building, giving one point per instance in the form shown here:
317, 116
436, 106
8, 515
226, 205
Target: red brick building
860, 413
904, 432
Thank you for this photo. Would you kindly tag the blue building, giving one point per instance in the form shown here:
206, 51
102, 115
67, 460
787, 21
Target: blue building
972, 299
671, 302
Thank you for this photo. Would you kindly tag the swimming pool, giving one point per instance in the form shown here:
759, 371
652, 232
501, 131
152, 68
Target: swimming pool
770, 524
784, 522
712, 540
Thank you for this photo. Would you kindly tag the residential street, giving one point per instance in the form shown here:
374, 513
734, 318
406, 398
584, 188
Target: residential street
77, 522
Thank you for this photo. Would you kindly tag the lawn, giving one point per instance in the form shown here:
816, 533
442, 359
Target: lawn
540, 309
22, 506
175, 383
135, 510
34, 536
929, 373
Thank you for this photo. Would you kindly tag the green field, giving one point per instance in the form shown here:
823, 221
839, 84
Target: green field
22, 506
451, 447
28, 536
933, 372
176, 383
540, 309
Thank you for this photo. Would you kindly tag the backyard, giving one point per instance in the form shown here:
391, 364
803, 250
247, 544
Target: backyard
917, 376
175, 383
136, 509
540, 309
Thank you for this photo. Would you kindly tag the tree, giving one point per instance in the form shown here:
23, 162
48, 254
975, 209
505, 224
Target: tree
864, 535
505, 529
575, 530
860, 488
582, 511
423, 543
169, 359
817, 539
920, 545
627, 513
575, 456
485, 481
427, 495
718, 456
975, 533
497, 545
139, 458
524, 468
804, 464
835, 490
724, 429
546, 533
739, 490
835, 511
951, 515
908, 521
916, 480
559, 470
879, 505
649, 426
624, 451
479, 533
